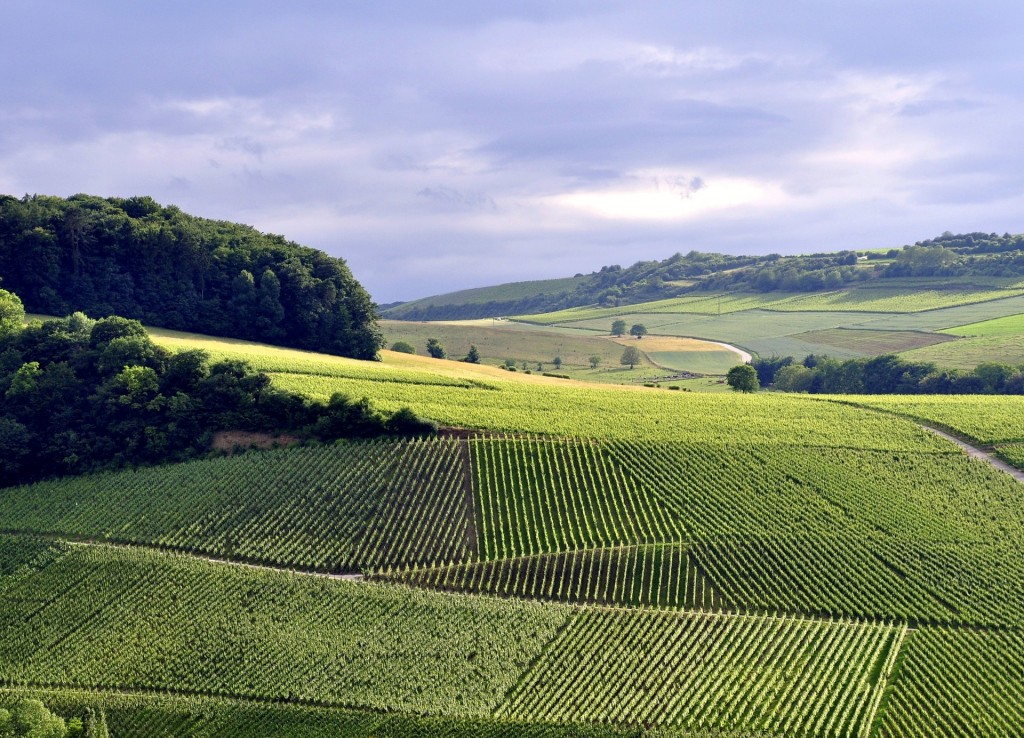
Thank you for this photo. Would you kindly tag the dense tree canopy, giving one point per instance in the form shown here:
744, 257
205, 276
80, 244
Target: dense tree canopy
888, 374
982, 254
78, 394
743, 378
135, 258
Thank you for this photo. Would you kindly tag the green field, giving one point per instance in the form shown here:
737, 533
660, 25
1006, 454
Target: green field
1011, 325
903, 315
576, 560
968, 352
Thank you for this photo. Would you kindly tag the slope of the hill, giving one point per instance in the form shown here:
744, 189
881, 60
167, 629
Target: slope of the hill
135, 258
591, 561
975, 256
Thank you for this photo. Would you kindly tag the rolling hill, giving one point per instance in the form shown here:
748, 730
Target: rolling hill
567, 560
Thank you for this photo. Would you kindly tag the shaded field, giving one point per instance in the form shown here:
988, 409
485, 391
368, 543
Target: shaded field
872, 343
501, 340
157, 715
884, 299
968, 352
1012, 454
335, 508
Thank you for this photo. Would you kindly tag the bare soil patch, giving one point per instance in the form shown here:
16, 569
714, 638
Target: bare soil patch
229, 441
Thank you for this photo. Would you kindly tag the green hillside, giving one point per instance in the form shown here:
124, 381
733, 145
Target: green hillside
567, 560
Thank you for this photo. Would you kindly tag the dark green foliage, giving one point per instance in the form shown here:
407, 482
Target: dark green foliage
12, 313
156, 264
743, 378
630, 356
618, 327
975, 254
473, 357
639, 330
28, 718
403, 347
435, 349
158, 716
77, 395
888, 375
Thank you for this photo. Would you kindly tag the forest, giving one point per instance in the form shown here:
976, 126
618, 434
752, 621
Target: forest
135, 258
78, 395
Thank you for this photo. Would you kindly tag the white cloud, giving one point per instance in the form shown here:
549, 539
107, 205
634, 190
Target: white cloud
655, 196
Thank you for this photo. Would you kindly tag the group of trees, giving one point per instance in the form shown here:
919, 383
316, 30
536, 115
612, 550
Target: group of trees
78, 394
619, 328
28, 718
135, 258
613, 286
888, 374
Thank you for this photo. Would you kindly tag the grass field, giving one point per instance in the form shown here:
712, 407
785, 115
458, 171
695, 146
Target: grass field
903, 315
968, 352
872, 343
1011, 325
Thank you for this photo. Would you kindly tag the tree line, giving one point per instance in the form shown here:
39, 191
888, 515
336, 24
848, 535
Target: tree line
134, 258
949, 255
887, 374
78, 395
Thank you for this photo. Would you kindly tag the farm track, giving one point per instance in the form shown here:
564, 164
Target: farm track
976, 453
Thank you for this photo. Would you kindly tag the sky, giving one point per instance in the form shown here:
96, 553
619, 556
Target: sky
442, 145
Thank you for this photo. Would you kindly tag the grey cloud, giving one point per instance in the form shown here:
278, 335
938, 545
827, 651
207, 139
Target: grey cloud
451, 199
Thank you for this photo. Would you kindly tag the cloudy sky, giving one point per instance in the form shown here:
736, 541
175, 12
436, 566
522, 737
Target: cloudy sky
442, 145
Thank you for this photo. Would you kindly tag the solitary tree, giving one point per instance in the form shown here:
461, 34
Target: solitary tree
473, 357
557, 361
630, 356
639, 330
618, 327
594, 361
435, 349
743, 378
403, 347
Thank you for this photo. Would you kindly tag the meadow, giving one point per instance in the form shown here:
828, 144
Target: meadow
955, 323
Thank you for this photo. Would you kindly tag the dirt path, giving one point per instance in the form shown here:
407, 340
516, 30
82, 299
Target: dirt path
977, 453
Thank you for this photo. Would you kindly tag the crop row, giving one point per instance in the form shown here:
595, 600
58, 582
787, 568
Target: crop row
540, 496
519, 406
984, 418
655, 576
161, 715
963, 683
335, 508
119, 619
777, 676
920, 582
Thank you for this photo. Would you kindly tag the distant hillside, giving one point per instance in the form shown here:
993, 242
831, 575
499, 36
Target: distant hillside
949, 255
135, 258
489, 302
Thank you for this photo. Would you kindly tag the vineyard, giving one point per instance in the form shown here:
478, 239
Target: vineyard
335, 508
575, 561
